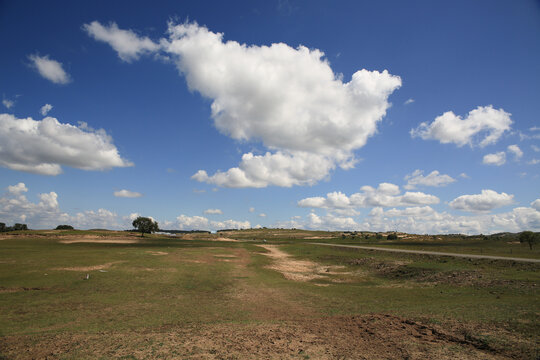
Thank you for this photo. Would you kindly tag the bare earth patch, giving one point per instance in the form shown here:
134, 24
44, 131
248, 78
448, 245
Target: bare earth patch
299, 270
157, 253
99, 240
375, 336
90, 268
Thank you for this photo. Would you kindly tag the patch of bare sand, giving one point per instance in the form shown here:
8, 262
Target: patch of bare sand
157, 253
99, 240
299, 270
89, 268
224, 239
375, 336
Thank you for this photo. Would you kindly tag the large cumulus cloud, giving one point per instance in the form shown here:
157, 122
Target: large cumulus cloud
43, 146
289, 99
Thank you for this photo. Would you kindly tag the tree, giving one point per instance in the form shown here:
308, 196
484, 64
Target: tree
392, 237
64, 227
529, 237
2, 227
18, 226
145, 225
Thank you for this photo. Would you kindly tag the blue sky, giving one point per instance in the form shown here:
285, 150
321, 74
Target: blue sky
414, 116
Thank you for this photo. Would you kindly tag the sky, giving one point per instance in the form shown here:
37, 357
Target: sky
417, 116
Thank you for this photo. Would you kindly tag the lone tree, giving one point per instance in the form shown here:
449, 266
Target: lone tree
530, 238
145, 225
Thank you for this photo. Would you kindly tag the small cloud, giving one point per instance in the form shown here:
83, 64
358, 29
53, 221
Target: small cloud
481, 127
50, 69
410, 101
127, 194
496, 159
514, 149
213, 212
535, 148
171, 170
463, 175
251, 209
17, 189
432, 179
8, 103
485, 201
535, 128
199, 191
533, 162
522, 175
262, 215
45, 109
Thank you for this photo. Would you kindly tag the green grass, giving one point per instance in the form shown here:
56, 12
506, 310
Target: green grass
192, 284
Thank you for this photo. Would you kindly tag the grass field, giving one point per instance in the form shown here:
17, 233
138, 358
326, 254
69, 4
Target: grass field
206, 296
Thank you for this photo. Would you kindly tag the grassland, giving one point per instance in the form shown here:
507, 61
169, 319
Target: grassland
206, 296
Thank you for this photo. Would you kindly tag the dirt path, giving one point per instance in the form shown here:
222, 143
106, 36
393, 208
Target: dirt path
422, 252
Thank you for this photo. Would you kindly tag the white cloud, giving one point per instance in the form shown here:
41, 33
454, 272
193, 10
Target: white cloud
42, 146
409, 101
536, 204
287, 98
425, 221
516, 151
185, 222
484, 121
535, 148
386, 195
17, 189
486, 201
46, 213
410, 211
213, 212
434, 178
533, 161
126, 43
251, 209
127, 194
497, 159
262, 215
45, 109
8, 103
50, 69
464, 176
534, 128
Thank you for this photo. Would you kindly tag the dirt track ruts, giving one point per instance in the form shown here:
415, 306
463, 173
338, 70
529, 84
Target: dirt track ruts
423, 252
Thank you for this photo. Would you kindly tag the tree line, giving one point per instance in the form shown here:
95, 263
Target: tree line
16, 227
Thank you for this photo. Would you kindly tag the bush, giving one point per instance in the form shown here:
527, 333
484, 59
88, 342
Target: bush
64, 227
392, 237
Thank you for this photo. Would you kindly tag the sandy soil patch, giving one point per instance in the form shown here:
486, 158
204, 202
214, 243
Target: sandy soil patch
90, 268
299, 270
157, 253
99, 240
224, 239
